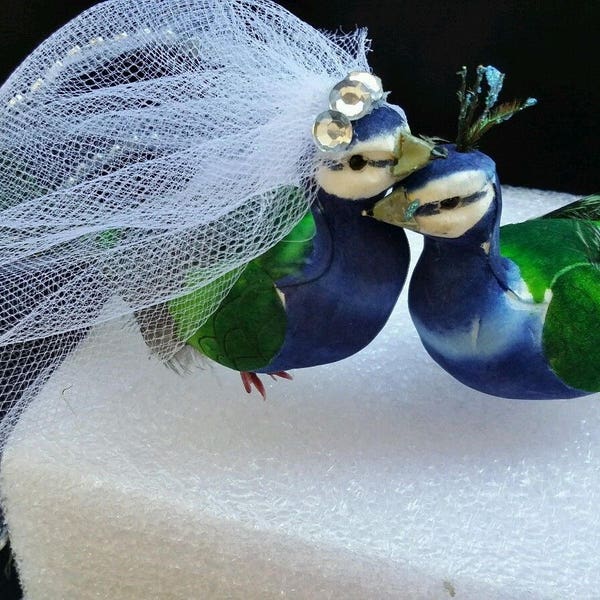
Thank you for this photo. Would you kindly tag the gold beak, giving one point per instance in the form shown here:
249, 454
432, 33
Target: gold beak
414, 153
397, 209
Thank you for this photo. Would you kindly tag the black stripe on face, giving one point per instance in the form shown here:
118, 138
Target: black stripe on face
334, 165
382, 164
473, 197
435, 208
427, 210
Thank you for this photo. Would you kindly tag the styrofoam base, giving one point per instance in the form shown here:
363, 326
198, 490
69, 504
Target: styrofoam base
376, 477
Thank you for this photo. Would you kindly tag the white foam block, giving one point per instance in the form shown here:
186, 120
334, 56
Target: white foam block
377, 477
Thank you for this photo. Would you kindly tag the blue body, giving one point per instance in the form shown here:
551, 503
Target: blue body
465, 304
348, 288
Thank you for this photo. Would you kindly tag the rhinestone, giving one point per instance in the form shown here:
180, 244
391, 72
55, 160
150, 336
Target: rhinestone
54, 70
97, 41
74, 50
37, 84
370, 81
332, 131
351, 98
16, 99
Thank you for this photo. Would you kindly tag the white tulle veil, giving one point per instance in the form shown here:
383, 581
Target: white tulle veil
148, 148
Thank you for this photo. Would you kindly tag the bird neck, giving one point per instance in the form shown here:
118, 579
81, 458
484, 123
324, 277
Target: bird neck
341, 211
358, 240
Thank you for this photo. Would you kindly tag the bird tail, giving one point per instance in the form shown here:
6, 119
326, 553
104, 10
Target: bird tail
585, 209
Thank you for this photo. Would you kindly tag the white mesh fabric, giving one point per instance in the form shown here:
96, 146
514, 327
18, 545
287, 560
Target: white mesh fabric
147, 148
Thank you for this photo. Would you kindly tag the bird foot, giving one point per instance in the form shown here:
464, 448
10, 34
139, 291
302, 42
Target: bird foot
250, 379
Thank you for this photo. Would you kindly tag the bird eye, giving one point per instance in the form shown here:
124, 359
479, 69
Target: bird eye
357, 162
450, 202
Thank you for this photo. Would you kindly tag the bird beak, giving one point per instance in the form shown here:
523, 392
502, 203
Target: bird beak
397, 209
414, 153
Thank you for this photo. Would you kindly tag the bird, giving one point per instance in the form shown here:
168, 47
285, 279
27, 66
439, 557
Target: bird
325, 290
510, 311
159, 158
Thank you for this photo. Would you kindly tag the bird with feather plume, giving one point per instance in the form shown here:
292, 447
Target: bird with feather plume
511, 311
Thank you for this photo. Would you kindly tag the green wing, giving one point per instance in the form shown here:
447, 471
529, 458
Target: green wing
248, 328
571, 336
543, 248
563, 255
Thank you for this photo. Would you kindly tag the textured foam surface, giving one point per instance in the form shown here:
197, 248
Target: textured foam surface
377, 477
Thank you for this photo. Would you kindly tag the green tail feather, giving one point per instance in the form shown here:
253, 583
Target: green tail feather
585, 209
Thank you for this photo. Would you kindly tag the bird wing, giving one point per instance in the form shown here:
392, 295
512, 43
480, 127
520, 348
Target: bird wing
543, 248
559, 260
248, 328
571, 337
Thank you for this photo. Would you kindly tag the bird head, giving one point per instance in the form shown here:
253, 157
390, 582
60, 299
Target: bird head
458, 196
365, 143
447, 198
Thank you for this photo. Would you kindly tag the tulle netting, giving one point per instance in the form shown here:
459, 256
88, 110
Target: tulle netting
149, 148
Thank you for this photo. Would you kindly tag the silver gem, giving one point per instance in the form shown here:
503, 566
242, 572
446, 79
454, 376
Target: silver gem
37, 84
370, 81
351, 98
74, 50
332, 130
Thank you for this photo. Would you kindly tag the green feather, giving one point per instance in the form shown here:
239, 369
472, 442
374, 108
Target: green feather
543, 248
587, 208
248, 328
289, 255
571, 337
563, 255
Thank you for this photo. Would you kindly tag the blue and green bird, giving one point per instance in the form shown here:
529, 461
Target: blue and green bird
327, 289
511, 311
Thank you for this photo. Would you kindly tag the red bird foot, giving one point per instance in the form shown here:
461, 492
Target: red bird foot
250, 379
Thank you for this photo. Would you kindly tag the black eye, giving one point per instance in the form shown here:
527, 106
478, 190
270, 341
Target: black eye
357, 162
450, 202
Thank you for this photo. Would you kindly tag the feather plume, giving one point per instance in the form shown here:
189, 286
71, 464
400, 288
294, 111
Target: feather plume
471, 125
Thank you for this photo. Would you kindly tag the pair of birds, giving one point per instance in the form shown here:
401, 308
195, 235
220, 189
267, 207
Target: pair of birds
116, 200
508, 311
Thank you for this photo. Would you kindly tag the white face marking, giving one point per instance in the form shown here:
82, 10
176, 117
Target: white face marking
355, 184
453, 221
281, 295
